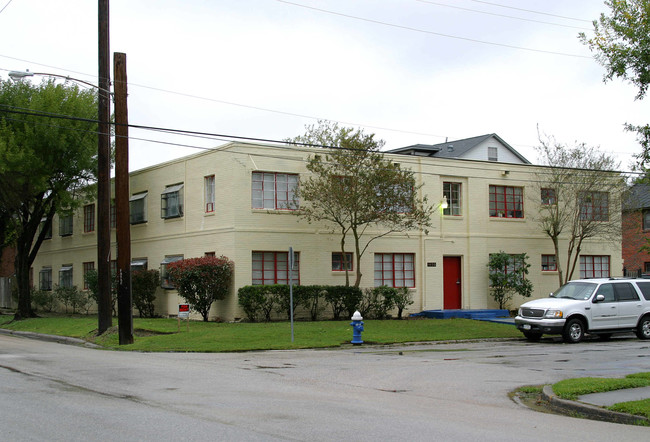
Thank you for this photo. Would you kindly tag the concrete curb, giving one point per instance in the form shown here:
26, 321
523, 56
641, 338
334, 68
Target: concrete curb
50, 338
588, 410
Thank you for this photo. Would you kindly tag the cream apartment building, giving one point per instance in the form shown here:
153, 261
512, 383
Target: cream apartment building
233, 201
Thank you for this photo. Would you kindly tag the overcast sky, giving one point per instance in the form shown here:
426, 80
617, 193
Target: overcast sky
410, 71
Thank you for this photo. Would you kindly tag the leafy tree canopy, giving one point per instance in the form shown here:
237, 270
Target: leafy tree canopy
355, 190
47, 160
507, 275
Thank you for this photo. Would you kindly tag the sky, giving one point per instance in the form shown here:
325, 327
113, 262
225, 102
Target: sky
410, 71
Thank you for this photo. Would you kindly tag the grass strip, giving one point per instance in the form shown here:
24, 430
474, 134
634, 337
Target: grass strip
571, 389
637, 408
161, 335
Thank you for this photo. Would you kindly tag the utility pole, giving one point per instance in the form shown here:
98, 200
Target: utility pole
124, 298
104, 302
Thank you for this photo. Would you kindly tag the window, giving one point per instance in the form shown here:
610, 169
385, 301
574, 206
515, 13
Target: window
594, 266
87, 266
138, 208
548, 263
209, 194
645, 289
65, 225
339, 264
89, 218
594, 206
171, 202
164, 274
273, 268
274, 190
515, 263
493, 154
395, 269
139, 264
48, 232
646, 220
113, 215
607, 290
506, 202
45, 279
210, 254
452, 192
548, 197
625, 292
65, 276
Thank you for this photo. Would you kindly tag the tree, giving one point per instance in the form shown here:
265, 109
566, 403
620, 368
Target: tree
578, 195
143, 285
621, 42
507, 275
201, 281
355, 190
47, 161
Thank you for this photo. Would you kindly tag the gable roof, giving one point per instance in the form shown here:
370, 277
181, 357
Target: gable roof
453, 149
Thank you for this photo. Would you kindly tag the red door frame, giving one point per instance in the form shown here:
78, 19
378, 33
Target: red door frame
452, 282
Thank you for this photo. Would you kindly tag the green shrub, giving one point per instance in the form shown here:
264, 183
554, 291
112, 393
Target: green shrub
143, 289
257, 301
92, 281
377, 301
312, 298
43, 300
343, 299
403, 298
71, 297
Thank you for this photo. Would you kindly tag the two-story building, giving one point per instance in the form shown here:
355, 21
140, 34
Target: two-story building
234, 201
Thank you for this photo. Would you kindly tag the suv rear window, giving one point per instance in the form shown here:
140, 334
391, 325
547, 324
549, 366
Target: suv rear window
625, 292
645, 289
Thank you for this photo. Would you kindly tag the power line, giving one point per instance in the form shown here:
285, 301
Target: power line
439, 34
5, 6
530, 11
503, 15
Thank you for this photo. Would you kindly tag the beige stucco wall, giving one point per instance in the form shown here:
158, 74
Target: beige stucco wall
235, 230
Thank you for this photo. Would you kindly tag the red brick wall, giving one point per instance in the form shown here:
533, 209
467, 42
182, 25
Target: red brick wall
634, 237
7, 261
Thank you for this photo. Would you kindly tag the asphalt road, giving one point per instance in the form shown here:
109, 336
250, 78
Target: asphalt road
446, 392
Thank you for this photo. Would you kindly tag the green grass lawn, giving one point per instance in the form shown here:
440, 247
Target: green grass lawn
573, 388
165, 335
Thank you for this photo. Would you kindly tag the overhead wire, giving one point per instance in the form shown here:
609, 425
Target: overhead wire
530, 11
439, 34
278, 144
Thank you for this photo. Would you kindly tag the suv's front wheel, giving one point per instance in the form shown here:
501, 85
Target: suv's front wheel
643, 329
574, 331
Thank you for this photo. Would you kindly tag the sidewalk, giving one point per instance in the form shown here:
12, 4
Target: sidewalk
617, 396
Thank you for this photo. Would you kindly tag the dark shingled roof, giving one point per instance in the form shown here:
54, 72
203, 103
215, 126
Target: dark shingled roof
638, 197
459, 148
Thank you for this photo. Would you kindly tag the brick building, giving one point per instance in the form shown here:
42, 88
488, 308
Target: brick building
636, 230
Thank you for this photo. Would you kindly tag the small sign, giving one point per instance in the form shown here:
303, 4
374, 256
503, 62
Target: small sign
183, 311
431, 264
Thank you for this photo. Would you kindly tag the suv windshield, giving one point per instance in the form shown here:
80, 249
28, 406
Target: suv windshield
576, 290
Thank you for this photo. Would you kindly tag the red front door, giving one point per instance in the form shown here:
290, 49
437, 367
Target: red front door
451, 282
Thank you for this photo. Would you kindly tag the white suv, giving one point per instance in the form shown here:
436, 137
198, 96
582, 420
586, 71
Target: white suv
595, 306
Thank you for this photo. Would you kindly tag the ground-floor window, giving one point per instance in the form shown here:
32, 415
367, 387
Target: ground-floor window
273, 268
65, 276
548, 263
165, 282
45, 279
395, 269
87, 267
593, 266
339, 264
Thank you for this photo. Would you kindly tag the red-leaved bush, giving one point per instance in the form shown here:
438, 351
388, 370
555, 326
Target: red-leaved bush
201, 281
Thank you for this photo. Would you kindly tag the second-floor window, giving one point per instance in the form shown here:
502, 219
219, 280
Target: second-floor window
89, 218
171, 202
451, 191
138, 208
548, 196
594, 206
48, 232
209, 194
65, 225
506, 202
274, 190
645, 220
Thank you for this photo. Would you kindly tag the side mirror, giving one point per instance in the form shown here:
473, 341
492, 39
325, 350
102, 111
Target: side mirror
551, 295
599, 298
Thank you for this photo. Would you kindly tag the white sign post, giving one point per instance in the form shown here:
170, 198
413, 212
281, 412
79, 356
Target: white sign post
184, 313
